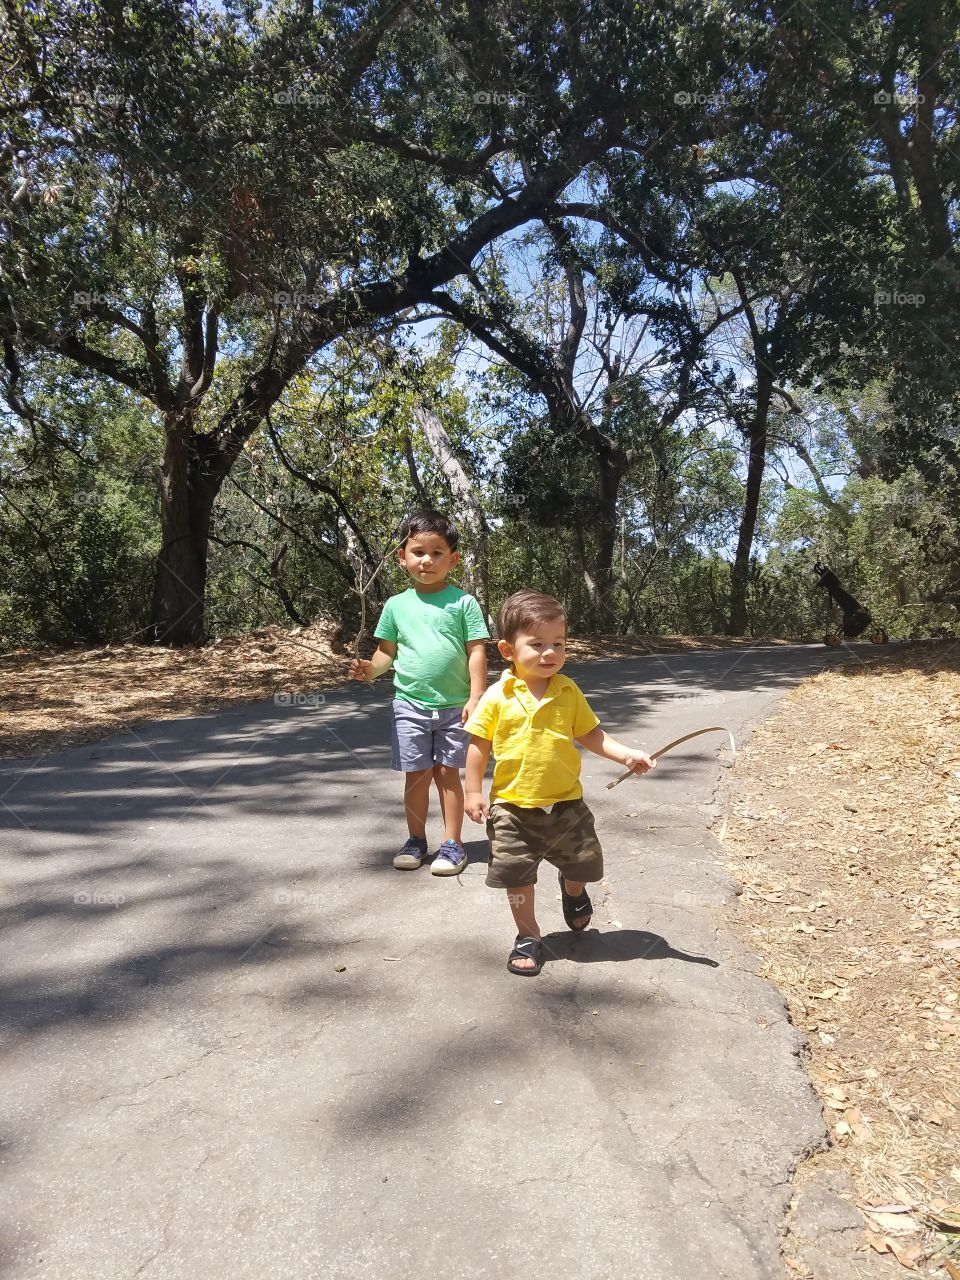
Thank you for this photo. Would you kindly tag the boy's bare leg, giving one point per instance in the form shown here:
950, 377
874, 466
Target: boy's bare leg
575, 888
451, 800
416, 801
525, 918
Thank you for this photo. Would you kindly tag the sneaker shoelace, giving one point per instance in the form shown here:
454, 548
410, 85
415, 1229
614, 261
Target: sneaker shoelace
451, 849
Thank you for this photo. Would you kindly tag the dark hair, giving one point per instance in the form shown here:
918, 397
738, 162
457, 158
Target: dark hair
429, 522
526, 609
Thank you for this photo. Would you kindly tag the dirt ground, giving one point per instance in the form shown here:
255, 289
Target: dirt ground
51, 699
843, 827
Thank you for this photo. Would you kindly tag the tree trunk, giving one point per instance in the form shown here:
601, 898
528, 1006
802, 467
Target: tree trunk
929, 179
611, 472
737, 626
475, 556
190, 481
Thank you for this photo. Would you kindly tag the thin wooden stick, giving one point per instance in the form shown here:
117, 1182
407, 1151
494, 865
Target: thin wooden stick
312, 647
714, 728
361, 589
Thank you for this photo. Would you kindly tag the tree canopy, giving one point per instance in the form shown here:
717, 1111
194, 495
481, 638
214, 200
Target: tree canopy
661, 299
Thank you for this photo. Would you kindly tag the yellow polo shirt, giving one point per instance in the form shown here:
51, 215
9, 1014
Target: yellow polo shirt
537, 763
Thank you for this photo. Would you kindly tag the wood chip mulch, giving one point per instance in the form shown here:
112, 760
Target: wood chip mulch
843, 828
61, 698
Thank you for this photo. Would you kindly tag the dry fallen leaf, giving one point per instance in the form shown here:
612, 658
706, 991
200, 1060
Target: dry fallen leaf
858, 1126
944, 1216
907, 1254
937, 1114
882, 848
898, 1224
877, 1242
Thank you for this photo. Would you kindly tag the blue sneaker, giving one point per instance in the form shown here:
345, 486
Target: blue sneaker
411, 855
450, 860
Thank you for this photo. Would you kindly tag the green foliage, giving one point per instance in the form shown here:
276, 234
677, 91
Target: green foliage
76, 557
220, 217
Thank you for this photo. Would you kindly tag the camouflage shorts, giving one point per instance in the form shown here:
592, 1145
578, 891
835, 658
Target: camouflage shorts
520, 839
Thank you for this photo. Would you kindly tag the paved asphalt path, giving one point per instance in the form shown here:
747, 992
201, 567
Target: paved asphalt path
191, 1089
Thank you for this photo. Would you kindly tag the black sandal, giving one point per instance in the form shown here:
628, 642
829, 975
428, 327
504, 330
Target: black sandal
573, 907
526, 949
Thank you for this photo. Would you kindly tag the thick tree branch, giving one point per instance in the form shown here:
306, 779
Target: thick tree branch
590, 212
458, 166
570, 343
211, 331
163, 393
136, 378
523, 355
350, 308
363, 51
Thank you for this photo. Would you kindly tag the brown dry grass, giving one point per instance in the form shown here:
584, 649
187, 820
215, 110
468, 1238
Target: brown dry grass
844, 829
51, 699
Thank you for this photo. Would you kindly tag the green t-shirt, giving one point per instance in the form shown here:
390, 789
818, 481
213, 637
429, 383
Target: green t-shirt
431, 630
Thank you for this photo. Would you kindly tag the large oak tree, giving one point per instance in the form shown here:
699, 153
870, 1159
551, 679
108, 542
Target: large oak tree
200, 200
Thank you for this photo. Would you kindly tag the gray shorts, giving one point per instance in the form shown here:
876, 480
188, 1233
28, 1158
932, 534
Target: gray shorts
422, 738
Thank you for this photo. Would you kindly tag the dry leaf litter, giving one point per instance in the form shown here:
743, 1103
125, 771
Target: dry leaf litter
843, 825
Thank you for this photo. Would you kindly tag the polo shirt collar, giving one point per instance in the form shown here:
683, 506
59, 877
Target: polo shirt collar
513, 685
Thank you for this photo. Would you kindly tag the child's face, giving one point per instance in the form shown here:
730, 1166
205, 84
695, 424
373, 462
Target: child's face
538, 652
428, 559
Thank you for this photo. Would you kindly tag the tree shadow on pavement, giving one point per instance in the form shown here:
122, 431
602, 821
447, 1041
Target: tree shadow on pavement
263, 758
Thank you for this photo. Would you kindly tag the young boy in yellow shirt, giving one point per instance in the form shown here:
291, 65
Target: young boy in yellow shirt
531, 720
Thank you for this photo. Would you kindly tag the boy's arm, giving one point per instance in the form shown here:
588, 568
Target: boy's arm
478, 753
382, 660
477, 664
601, 744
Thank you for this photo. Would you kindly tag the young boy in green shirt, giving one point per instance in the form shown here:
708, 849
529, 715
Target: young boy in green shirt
433, 636
531, 720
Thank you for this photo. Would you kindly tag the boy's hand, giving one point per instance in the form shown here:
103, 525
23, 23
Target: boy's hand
639, 762
361, 669
475, 807
468, 710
